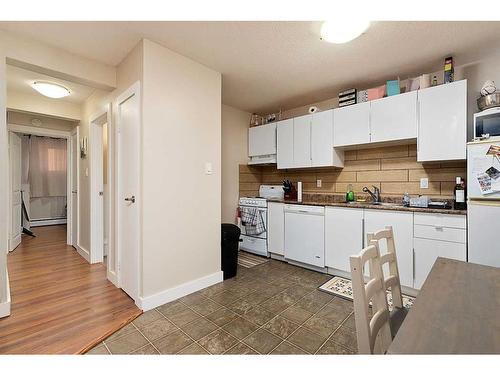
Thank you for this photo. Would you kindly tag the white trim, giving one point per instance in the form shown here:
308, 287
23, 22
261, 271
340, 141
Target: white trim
5, 306
38, 131
158, 299
69, 194
83, 252
45, 222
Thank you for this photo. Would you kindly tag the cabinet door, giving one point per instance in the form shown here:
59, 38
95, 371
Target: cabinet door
322, 151
285, 144
262, 140
426, 253
402, 224
394, 118
302, 141
351, 125
442, 130
275, 228
343, 236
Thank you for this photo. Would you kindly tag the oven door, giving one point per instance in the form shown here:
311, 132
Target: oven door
487, 122
263, 214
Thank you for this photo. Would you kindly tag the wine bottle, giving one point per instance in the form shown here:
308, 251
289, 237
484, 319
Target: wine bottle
459, 195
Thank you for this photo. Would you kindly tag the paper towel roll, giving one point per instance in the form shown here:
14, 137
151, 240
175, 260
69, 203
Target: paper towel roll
299, 191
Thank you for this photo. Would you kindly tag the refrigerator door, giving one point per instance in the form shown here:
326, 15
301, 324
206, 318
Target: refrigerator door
484, 233
476, 152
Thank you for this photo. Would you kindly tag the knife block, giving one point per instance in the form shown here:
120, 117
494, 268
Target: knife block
291, 194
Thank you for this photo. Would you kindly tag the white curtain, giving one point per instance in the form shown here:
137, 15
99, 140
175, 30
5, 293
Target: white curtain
47, 167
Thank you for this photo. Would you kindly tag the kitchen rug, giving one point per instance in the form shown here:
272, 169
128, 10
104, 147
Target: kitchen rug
342, 287
248, 260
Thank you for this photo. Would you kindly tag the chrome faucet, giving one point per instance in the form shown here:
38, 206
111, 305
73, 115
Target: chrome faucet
375, 195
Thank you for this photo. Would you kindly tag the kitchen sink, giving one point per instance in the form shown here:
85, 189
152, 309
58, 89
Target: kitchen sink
379, 204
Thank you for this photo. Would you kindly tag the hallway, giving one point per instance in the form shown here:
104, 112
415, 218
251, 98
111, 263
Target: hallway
60, 303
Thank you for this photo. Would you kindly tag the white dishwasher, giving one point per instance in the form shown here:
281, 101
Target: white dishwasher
305, 234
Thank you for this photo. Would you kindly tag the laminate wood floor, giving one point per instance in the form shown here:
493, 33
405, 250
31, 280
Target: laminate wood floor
60, 303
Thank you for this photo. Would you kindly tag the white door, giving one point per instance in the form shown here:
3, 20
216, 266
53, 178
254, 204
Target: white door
128, 190
74, 189
285, 144
484, 228
442, 130
97, 191
15, 189
351, 125
322, 139
394, 118
402, 224
343, 236
262, 140
305, 235
302, 141
276, 228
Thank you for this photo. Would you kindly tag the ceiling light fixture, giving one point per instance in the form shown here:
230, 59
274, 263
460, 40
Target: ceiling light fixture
51, 90
343, 31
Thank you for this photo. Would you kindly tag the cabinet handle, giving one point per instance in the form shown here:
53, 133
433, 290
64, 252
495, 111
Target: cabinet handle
363, 232
413, 266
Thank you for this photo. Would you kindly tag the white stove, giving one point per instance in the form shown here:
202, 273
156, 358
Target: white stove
257, 244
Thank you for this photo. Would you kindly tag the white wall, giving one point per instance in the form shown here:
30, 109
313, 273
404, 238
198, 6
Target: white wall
234, 152
181, 211
39, 104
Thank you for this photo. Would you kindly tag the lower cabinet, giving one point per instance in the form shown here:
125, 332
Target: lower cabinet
276, 228
402, 225
343, 236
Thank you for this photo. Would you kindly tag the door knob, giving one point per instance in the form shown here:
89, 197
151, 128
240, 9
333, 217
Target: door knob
131, 199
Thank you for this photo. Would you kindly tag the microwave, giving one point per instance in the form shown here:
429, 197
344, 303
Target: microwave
487, 123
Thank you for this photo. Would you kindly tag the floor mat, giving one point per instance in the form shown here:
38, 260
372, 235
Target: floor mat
248, 260
342, 287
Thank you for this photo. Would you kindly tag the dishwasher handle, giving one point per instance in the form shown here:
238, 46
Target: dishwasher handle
318, 211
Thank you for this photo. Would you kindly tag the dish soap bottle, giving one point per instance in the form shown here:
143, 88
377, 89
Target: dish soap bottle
459, 195
349, 196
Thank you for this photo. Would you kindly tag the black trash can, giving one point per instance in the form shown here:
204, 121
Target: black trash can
230, 237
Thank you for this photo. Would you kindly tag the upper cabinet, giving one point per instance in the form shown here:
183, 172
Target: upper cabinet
351, 125
442, 129
262, 144
307, 141
394, 118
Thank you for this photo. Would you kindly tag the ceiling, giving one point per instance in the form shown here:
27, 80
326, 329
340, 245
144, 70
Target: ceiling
268, 65
20, 80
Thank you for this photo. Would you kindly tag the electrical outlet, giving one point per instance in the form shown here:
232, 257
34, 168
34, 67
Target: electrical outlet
318, 183
424, 183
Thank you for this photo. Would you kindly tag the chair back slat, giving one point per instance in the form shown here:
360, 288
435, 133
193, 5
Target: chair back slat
390, 258
373, 334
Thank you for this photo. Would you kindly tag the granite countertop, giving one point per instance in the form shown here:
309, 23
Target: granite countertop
332, 201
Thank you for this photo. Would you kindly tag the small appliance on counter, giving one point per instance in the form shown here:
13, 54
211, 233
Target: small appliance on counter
424, 201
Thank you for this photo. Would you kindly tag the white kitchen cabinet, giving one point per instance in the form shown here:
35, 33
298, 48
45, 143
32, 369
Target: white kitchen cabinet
322, 152
305, 234
262, 140
302, 157
402, 225
426, 253
394, 118
351, 125
343, 236
442, 129
276, 228
285, 144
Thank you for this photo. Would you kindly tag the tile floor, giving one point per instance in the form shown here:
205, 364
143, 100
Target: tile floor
273, 308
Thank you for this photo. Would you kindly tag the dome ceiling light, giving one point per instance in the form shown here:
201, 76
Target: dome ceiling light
51, 90
343, 31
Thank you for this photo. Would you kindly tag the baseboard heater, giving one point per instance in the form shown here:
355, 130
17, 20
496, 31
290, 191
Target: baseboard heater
45, 222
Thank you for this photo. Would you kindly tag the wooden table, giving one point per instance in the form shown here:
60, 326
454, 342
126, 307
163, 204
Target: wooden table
456, 312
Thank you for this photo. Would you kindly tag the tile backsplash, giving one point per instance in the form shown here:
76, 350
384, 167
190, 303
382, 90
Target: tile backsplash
393, 169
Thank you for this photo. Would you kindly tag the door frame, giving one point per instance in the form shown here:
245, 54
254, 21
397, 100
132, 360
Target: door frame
31, 130
10, 246
133, 90
96, 122
72, 241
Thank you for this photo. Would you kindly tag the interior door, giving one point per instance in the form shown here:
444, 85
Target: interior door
128, 189
15, 188
97, 190
74, 190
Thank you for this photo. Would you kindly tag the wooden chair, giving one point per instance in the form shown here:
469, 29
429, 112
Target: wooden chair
373, 334
391, 278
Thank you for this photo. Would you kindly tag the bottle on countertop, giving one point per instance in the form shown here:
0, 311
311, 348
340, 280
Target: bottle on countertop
459, 195
434, 81
349, 196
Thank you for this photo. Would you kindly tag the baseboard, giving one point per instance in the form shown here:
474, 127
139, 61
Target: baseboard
85, 254
158, 299
5, 306
43, 223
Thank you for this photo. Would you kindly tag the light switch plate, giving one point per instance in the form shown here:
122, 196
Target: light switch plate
318, 183
424, 183
208, 168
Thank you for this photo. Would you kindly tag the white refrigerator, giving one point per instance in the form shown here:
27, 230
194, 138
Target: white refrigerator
483, 209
